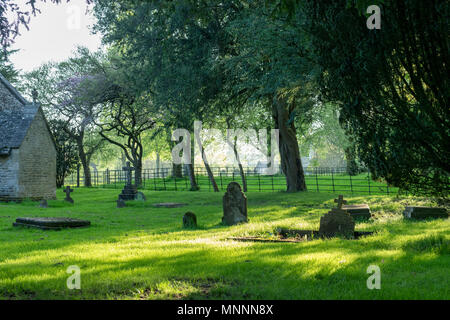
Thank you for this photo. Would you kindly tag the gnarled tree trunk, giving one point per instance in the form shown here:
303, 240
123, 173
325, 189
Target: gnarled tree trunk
291, 162
84, 162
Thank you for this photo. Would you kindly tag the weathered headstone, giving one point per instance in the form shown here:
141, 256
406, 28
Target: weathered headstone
129, 191
412, 212
67, 191
358, 210
169, 205
140, 196
121, 203
46, 223
234, 205
43, 204
189, 220
337, 222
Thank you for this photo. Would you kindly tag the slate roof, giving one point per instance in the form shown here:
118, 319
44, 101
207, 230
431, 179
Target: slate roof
13, 90
14, 122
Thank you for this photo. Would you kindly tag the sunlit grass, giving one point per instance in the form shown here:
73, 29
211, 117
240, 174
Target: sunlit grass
142, 252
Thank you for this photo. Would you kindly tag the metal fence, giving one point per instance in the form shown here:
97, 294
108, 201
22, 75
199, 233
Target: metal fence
317, 179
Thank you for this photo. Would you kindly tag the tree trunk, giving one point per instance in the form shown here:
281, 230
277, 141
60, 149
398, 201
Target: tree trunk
177, 170
352, 166
138, 172
205, 162
291, 162
241, 169
158, 164
209, 171
191, 174
84, 162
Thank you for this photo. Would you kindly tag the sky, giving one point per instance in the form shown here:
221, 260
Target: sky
54, 34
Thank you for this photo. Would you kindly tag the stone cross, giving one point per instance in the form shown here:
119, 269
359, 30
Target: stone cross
128, 169
340, 201
67, 191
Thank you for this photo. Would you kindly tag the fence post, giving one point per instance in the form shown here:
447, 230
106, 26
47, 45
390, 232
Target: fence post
78, 175
317, 181
368, 179
221, 182
164, 182
351, 184
332, 178
259, 182
175, 179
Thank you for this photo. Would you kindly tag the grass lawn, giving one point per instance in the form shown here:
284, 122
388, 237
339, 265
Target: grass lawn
142, 252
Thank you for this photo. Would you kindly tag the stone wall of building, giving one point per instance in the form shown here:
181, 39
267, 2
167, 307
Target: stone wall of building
9, 180
37, 173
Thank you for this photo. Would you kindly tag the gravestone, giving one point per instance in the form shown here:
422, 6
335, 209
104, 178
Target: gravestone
67, 191
169, 205
43, 204
189, 220
140, 196
358, 210
337, 222
120, 203
129, 191
412, 212
51, 223
234, 205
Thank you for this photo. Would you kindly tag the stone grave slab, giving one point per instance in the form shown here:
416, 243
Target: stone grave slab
313, 234
337, 222
234, 205
169, 205
189, 220
358, 210
140, 196
47, 223
412, 212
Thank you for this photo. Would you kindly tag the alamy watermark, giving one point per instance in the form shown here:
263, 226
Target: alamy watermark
181, 152
374, 281
74, 281
374, 20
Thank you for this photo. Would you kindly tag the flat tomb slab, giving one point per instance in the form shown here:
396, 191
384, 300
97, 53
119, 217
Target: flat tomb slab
46, 223
424, 212
169, 205
358, 210
314, 234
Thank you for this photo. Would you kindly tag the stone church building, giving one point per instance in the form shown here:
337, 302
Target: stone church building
27, 149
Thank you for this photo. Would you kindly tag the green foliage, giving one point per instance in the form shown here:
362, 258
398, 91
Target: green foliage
392, 85
66, 151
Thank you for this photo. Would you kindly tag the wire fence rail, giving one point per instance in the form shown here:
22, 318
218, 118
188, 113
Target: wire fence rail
317, 179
